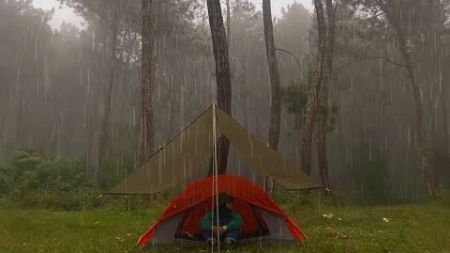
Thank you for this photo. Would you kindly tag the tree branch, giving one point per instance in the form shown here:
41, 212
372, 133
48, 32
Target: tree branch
387, 60
361, 57
291, 54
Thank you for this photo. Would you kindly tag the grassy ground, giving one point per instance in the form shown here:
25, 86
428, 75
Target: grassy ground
410, 228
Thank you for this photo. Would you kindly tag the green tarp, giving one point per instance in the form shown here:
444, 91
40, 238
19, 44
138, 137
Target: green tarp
182, 156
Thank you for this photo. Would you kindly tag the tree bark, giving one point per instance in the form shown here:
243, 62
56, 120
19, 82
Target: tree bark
322, 154
146, 75
223, 75
324, 124
314, 91
228, 23
443, 83
104, 134
275, 105
275, 108
444, 106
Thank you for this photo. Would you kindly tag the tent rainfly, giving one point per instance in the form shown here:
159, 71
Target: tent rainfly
263, 219
182, 156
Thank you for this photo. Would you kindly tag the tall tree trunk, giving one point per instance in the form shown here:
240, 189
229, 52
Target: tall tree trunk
103, 145
275, 109
223, 75
324, 123
444, 106
146, 75
322, 153
228, 23
443, 84
423, 145
272, 63
314, 91
129, 51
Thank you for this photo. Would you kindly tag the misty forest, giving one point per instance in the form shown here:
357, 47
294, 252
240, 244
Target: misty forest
336, 116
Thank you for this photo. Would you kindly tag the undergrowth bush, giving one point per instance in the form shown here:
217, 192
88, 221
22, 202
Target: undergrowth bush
30, 179
444, 198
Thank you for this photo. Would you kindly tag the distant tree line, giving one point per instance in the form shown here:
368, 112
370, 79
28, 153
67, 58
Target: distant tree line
363, 86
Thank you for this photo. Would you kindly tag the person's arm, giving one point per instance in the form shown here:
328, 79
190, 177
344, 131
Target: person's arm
206, 222
235, 222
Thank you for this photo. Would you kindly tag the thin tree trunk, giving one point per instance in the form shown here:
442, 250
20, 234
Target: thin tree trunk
223, 75
228, 23
146, 75
322, 154
445, 142
314, 91
275, 109
324, 98
443, 83
3, 121
444, 112
424, 152
272, 63
104, 134
423, 148
128, 59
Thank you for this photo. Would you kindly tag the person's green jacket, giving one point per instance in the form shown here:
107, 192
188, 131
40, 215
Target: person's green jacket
234, 224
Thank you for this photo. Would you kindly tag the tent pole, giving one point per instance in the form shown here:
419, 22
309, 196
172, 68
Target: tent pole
216, 173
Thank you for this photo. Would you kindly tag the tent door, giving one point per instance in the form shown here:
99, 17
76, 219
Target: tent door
262, 229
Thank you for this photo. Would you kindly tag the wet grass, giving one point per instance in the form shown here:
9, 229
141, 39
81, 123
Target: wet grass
406, 228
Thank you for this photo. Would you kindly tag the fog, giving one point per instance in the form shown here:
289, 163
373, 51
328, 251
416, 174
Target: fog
75, 92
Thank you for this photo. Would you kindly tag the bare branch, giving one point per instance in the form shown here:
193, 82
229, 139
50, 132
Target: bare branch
291, 54
387, 60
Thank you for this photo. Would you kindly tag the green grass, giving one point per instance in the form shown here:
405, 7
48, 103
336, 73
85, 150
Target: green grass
411, 228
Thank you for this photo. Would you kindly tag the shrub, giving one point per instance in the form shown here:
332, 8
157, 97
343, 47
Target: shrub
371, 177
34, 180
4, 182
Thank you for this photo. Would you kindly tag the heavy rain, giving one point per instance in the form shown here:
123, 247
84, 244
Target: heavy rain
225, 126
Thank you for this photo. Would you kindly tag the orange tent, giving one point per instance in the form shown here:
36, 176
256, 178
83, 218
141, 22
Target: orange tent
262, 217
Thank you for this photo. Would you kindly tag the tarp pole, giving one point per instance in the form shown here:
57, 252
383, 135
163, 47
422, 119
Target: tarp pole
215, 175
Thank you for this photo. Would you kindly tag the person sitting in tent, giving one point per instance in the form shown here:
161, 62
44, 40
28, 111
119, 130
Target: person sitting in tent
230, 222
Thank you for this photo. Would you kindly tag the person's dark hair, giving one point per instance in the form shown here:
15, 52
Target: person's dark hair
225, 198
